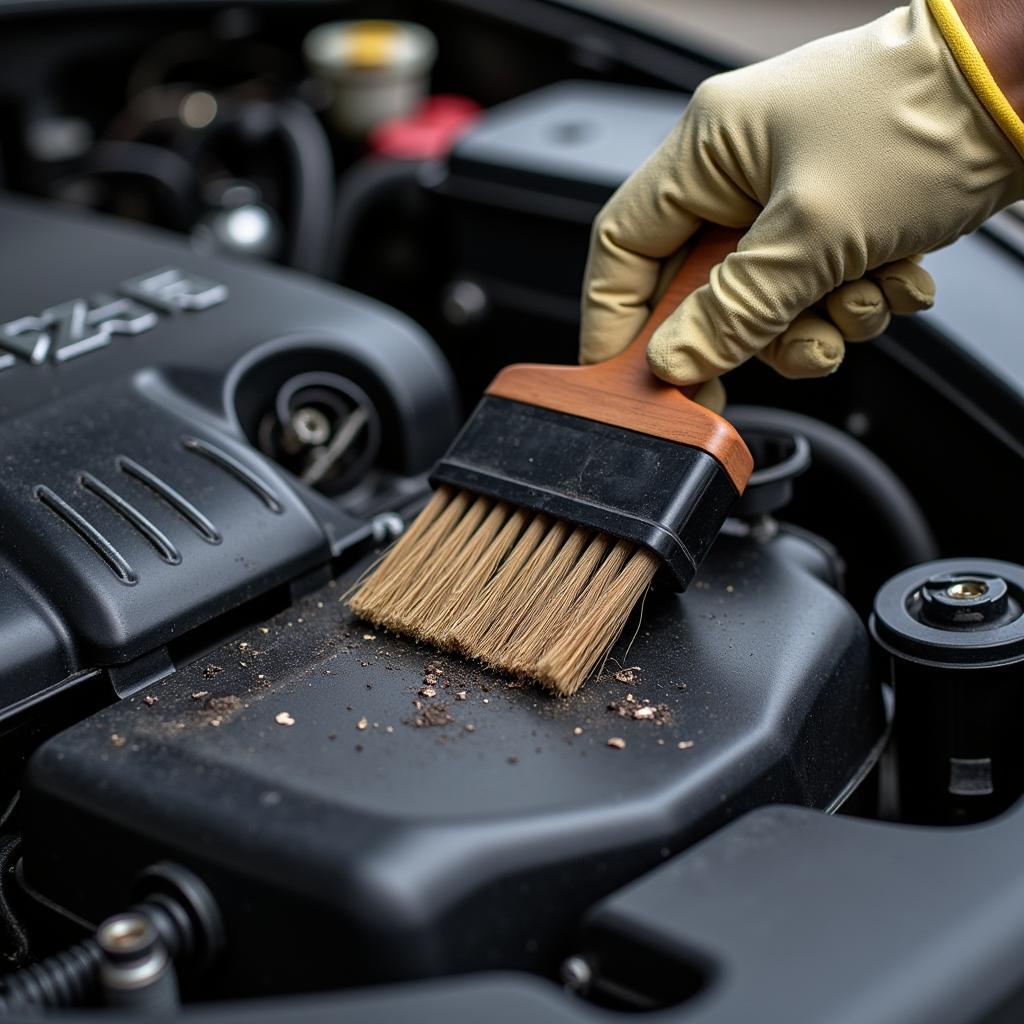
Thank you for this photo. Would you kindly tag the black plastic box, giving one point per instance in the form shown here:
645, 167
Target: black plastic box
535, 173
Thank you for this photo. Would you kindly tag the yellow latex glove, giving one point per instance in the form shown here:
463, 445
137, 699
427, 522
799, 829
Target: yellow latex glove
846, 158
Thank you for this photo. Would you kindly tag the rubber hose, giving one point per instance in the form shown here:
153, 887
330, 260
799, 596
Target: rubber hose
68, 978
312, 175
877, 488
362, 185
310, 165
172, 177
14, 942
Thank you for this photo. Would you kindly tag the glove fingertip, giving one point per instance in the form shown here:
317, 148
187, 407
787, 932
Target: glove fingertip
675, 360
859, 310
810, 347
692, 346
908, 288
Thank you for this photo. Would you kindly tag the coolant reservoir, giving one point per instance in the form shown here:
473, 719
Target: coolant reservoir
376, 70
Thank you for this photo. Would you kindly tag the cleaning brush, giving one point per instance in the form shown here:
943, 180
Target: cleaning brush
564, 493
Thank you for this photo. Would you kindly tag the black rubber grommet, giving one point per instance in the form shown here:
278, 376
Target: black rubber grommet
779, 458
167, 881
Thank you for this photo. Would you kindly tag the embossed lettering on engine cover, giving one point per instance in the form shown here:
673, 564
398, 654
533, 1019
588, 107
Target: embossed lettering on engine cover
73, 328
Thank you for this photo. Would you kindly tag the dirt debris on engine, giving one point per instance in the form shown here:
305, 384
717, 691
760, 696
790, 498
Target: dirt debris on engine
627, 675
334, 650
641, 711
223, 705
433, 715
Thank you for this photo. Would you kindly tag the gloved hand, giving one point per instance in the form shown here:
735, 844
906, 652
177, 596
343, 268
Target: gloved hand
847, 158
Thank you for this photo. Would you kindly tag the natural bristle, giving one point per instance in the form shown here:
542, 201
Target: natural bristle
595, 622
519, 591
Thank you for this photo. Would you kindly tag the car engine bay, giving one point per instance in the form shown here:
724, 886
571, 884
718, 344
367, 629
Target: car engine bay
245, 308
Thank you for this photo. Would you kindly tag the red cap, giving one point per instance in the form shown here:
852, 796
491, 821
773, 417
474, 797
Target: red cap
429, 133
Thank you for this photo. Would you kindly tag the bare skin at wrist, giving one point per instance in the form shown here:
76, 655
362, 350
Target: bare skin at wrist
997, 28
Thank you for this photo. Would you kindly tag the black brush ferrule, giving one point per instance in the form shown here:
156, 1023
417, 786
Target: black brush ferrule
668, 497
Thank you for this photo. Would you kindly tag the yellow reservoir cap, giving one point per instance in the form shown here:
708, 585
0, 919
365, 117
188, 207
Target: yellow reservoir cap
371, 44
354, 47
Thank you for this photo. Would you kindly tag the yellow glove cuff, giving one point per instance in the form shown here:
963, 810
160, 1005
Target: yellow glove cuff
976, 71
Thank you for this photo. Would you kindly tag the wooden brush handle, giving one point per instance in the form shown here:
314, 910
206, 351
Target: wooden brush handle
622, 391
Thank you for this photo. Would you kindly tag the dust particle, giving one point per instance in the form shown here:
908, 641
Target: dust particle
617, 742
283, 718
428, 691
362, 724
461, 695
150, 701
470, 727
433, 715
212, 670
513, 760
369, 636
627, 675
659, 714
200, 694
577, 731
224, 705
263, 629
684, 744
117, 741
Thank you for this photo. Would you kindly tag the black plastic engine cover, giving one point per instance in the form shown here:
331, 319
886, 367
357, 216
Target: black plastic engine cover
134, 507
409, 815
225, 530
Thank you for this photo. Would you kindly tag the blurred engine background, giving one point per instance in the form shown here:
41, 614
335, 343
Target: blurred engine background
745, 30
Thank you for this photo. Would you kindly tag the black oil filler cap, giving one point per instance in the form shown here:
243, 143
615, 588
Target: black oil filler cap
953, 631
953, 612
